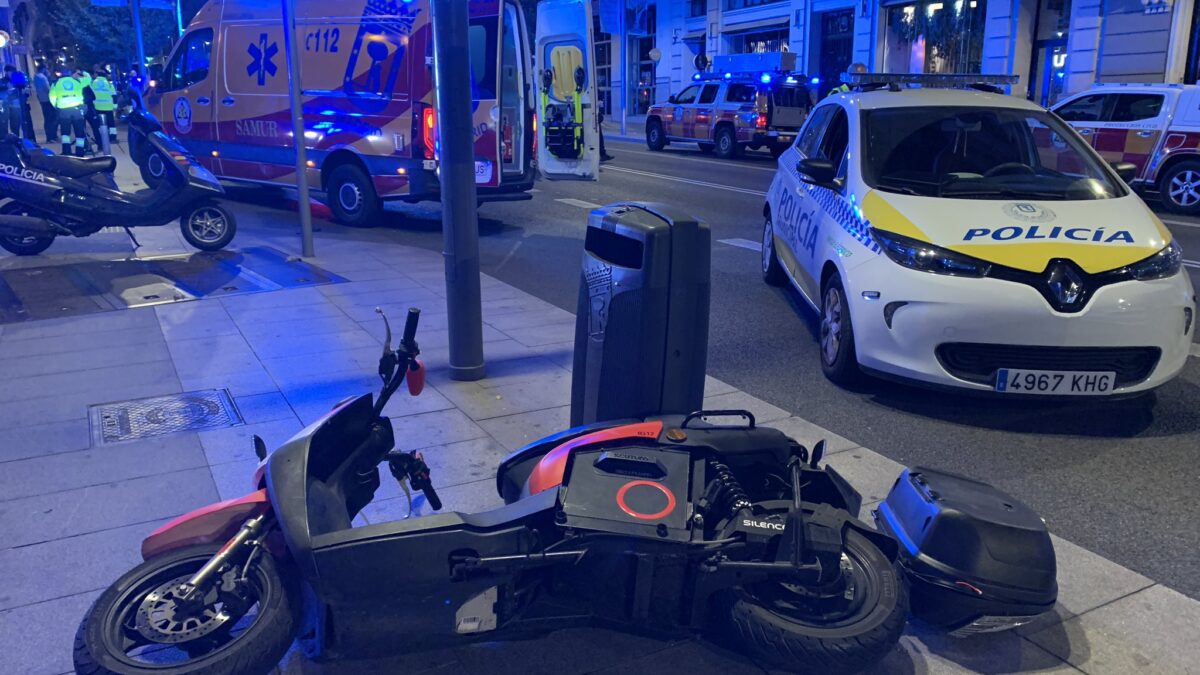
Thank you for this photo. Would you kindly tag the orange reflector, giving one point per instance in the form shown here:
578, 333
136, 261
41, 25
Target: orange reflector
402, 171
216, 154
311, 164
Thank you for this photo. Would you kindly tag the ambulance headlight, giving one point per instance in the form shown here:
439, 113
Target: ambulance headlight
1165, 263
919, 255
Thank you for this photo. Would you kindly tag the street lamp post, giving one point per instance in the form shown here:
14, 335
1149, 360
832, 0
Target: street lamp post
135, 7
460, 228
298, 138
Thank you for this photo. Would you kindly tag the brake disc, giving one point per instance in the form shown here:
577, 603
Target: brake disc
161, 618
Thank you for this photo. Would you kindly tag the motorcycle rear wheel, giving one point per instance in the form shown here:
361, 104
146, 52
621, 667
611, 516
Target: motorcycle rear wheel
16, 245
208, 226
109, 640
781, 626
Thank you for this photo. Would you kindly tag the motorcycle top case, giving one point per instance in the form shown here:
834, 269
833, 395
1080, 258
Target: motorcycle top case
977, 559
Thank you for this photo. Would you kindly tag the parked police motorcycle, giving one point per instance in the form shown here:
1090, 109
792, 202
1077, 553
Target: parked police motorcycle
669, 525
53, 195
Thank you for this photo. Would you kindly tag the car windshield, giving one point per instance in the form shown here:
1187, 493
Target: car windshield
980, 153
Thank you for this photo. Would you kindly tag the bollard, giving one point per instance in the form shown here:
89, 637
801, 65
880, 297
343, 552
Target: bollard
641, 330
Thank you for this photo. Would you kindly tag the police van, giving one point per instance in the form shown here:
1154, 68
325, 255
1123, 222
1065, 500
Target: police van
951, 235
1155, 127
368, 97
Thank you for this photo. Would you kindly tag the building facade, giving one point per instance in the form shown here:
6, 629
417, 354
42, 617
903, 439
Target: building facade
1054, 47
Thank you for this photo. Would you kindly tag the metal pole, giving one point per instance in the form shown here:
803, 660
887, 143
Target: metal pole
136, 8
460, 228
179, 16
624, 67
298, 140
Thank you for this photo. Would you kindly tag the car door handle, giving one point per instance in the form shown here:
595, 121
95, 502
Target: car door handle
1145, 134
203, 100
227, 101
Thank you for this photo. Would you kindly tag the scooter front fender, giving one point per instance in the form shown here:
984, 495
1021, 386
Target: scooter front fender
210, 524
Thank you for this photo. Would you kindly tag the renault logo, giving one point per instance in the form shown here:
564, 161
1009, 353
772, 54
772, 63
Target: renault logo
1065, 283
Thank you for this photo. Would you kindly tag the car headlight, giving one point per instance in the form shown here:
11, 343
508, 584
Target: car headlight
919, 255
1165, 263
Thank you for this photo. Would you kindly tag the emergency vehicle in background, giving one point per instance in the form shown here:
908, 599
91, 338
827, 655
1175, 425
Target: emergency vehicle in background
1156, 127
369, 104
746, 101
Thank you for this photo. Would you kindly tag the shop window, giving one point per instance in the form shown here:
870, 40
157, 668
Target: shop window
1135, 107
944, 36
760, 42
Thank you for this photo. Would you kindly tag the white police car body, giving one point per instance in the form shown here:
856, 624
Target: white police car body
970, 239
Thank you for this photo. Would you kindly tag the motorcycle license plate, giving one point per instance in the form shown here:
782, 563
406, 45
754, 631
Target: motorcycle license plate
1055, 382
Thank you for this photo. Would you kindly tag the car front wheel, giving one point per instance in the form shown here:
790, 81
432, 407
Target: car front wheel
839, 361
1180, 188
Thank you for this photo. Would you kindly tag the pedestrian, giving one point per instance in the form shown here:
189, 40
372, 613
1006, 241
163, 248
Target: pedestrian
103, 98
12, 86
67, 97
604, 156
844, 87
19, 118
41, 87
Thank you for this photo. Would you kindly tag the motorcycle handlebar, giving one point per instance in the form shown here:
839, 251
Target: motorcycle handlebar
410, 326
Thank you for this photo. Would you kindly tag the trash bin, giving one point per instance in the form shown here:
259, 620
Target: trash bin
641, 330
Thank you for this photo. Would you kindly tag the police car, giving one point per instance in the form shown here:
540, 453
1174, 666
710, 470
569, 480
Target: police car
951, 235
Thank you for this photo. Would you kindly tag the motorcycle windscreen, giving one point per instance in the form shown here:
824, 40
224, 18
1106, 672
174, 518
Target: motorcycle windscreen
568, 124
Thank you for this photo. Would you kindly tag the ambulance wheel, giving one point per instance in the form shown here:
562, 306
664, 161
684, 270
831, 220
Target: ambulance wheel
772, 271
707, 147
727, 145
352, 197
839, 361
153, 169
792, 626
655, 138
1180, 188
208, 226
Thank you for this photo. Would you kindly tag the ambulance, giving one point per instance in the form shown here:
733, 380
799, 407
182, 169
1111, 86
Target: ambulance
952, 236
369, 104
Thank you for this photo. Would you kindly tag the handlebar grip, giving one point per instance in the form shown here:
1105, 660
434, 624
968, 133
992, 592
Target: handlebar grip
410, 324
434, 502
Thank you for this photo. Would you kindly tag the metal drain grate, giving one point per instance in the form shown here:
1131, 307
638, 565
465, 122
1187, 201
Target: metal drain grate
143, 418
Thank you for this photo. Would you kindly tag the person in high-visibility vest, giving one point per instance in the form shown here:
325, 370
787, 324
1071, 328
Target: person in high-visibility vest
104, 101
67, 98
844, 88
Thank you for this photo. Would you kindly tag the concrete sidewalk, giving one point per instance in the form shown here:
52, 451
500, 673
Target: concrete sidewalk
72, 514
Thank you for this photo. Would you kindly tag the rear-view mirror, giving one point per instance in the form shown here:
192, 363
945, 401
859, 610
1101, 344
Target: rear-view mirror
819, 172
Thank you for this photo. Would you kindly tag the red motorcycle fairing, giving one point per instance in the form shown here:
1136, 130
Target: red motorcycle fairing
548, 473
207, 525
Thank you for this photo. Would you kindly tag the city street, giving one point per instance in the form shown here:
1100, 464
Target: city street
1115, 477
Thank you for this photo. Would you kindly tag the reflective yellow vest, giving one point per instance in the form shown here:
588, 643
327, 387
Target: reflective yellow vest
840, 89
66, 93
105, 94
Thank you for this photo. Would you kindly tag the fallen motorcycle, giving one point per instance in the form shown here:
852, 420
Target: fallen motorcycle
672, 526
53, 195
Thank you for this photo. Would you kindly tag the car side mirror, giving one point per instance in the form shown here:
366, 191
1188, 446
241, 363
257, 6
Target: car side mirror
1126, 170
819, 172
671, 98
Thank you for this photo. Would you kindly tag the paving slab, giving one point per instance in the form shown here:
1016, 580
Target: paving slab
91, 324
212, 355
807, 434
101, 356
516, 431
67, 513
36, 639
264, 408
542, 335
104, 383
531, 318
867, 471
526, 391
15, 347
234, 479
691, 656
203, 318
248, 382
71, 404
22, 441
922, 650
425, 430
1154, 630
65, 567
257, 334
103, 464
232, 444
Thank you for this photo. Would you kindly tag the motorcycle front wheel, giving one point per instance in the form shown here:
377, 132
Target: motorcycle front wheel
208, 226
841, 630
135, 627
22, 245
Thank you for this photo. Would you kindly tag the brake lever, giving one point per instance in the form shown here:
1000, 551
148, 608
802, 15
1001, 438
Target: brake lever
387, 362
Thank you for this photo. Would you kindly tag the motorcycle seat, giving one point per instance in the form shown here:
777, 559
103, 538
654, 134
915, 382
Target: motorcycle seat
72, 167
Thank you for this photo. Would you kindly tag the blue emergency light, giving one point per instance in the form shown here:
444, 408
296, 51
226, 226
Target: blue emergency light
696, 76
815, 80
728, 76
765, 78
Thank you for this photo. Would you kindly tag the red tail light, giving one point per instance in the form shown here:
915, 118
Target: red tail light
429, 131
762, 121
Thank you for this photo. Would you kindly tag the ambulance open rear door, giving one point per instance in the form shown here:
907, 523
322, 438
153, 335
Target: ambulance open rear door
568, 131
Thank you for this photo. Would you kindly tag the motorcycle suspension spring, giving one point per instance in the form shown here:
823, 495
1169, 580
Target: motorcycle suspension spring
727, 490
